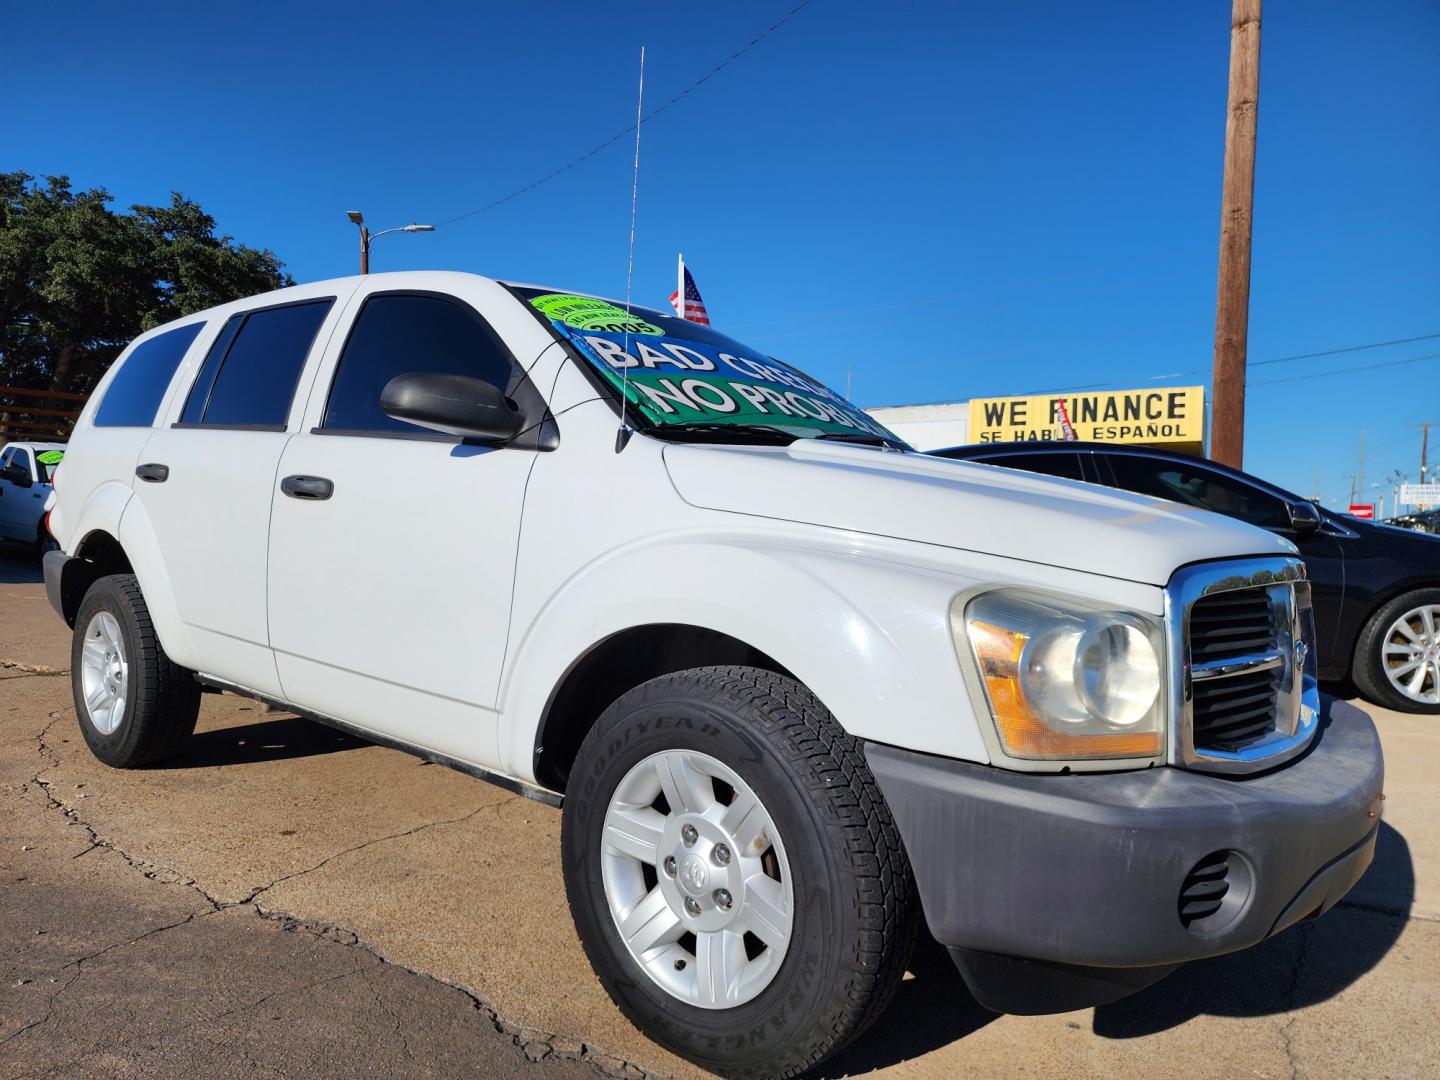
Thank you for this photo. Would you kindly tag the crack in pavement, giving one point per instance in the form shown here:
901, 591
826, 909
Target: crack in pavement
534, 1043
31, 670
261, 890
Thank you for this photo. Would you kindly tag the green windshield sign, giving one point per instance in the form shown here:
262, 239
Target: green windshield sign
682, 374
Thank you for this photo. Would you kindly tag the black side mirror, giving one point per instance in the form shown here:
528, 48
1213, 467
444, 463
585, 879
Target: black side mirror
18, 474
1304, 518
455, 404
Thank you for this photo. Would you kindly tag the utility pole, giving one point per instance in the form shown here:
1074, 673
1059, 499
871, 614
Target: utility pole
1232, 301
1424, 446
1362, 462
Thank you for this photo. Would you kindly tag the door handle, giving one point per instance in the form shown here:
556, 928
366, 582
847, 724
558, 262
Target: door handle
307, 487
153, 473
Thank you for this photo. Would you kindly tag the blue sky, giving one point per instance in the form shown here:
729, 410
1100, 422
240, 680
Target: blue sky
949, 199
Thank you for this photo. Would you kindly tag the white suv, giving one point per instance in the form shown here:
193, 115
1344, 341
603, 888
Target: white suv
795, 685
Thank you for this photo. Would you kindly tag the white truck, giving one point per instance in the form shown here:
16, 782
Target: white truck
26, 469
796, 686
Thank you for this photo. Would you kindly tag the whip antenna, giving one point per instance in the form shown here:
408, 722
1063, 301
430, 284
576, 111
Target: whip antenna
623, 435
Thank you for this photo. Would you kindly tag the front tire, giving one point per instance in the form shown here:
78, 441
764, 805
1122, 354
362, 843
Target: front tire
1397, 658
734, 873
136, 705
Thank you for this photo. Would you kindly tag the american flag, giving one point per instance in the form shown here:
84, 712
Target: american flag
691, 307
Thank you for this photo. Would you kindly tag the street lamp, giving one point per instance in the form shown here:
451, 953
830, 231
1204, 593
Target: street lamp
366, 235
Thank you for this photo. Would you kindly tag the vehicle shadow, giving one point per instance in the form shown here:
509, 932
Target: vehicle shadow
278, 737
19, 564
1304, 965
932, 1008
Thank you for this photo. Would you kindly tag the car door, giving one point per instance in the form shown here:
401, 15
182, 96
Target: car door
12, 495
205, 480
392, 548
1197, 484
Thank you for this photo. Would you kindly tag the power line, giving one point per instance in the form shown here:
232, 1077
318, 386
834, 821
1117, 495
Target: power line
1348, 371
1306, 356
1279, 360
644, 120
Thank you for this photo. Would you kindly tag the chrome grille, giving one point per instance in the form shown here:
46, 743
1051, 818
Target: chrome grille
1240, 635
1230, 624
1236, 662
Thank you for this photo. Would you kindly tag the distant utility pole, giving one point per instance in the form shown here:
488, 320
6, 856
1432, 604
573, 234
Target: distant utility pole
1232, 301
1424, 446
1361, 480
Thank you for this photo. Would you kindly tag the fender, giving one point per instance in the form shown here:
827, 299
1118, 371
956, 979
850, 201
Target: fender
137, 537
896, 682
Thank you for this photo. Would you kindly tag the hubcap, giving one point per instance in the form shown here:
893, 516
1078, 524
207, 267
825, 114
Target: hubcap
104, 672
697, 879
1411, 654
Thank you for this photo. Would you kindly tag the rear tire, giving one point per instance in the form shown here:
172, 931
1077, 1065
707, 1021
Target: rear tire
135, 705
1399, 642
848, 897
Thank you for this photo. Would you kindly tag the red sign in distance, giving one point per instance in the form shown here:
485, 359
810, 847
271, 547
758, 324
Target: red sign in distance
1364, 511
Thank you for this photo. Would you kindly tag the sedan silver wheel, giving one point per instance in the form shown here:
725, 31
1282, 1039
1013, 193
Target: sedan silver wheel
104, 672
1411, 654
697, 880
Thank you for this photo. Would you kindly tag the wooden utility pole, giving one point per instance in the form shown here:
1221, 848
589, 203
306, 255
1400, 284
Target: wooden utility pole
1232, 303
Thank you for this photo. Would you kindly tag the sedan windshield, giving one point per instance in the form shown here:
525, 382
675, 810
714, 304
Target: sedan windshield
685, 380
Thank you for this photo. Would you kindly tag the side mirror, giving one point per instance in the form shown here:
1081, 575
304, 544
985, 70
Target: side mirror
18, 474
455, 404
1304, 518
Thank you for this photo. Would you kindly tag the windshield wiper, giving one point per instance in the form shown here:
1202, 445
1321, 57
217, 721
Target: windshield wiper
862, 438
702, 432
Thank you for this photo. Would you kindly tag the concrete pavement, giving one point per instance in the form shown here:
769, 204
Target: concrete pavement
286, 899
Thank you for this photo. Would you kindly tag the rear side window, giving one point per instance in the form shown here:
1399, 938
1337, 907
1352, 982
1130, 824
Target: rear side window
1198, 486
249, 376
398, 333
1062, 465
134, 394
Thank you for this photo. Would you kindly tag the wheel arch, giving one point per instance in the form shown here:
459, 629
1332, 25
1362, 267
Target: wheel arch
869, 638
1378, 601
616, 664
97, 554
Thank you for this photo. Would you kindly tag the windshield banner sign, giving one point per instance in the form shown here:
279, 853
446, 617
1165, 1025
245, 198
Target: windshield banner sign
673, 380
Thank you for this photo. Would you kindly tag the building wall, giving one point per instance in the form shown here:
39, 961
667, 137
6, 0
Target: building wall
928, 427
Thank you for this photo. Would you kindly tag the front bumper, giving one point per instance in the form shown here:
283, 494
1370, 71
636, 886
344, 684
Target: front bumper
1055, 892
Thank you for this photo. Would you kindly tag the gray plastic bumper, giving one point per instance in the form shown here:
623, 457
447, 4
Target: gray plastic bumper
53, 565
1057, 891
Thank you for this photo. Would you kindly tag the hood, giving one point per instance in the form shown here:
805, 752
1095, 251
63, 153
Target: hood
964, 505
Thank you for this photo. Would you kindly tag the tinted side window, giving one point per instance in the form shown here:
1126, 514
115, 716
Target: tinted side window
134, 394
400, 333
22, 458
205, 381
1062, 465
254, 381
1199, 486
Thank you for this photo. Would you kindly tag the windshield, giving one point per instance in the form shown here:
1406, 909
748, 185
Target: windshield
686, 379
47, 462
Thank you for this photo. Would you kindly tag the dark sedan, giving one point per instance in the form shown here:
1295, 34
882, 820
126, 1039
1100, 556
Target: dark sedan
1376, 587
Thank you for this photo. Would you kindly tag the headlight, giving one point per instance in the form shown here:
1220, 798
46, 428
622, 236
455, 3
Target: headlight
1064, 679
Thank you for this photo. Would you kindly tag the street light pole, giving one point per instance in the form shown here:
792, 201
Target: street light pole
366, 236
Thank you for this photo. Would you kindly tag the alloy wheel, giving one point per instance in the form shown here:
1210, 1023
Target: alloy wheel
1410, 654
696, 879
104, 672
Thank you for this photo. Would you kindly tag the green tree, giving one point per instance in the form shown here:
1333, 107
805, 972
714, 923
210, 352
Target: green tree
78, 280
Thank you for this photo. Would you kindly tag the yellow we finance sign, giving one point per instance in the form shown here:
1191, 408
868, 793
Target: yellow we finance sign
1171, 416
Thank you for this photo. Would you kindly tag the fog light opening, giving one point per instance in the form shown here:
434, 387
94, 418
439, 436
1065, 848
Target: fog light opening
1215, 892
